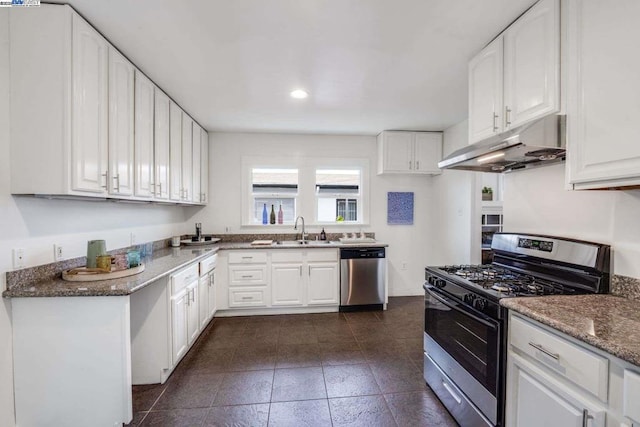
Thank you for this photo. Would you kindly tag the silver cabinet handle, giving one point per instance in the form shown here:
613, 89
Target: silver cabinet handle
586, 417
417, 164
106, 178
555, 356
245, 298
495, 122
247, 257
309, 270
160, 190
247, 277
507, 115
300, 271
452, 393
116, 178
409, 164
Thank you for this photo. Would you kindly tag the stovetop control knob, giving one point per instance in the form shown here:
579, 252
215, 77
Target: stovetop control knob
480, 304
439, 283
468, 298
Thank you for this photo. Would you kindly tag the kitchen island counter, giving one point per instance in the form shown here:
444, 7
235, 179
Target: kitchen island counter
610, 323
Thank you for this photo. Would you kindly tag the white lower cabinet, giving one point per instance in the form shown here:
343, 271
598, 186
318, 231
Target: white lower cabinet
281, 278
557, 380
179, 332
193, 315
323, 283
287, 287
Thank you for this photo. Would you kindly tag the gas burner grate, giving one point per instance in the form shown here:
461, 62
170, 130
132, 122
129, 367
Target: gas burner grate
506, 281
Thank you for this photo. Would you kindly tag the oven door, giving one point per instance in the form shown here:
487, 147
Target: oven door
469, 337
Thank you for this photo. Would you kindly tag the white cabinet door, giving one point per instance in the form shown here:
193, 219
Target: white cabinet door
427, 152
121, 88
187, 158
204, 166
144, 95
175, 151
397, 151
534, 400
532, 64
161, 145
602, 95
179, 330
193, 318
485, 92
203, 300
195, 163
286, 284
89, 152
323, 283
212, 304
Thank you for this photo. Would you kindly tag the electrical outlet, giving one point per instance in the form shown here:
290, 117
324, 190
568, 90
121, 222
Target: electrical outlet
403, 265
58, 253
18, 258
133, 239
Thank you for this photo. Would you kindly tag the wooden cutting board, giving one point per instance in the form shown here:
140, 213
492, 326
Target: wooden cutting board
262, 243
82, 274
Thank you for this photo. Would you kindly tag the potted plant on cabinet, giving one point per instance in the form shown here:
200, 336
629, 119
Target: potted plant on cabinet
487, 194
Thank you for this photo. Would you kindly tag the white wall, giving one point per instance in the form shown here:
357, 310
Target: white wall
407, 244
535, 201
36, 224
456, 207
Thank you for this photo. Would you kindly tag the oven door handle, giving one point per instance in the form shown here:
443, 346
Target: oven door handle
443, 300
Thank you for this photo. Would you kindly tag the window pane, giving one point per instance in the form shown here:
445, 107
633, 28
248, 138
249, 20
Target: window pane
277, 187
288, 208
337, 192
274, 180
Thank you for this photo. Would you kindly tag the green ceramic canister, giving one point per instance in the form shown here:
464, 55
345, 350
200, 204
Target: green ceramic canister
95, 248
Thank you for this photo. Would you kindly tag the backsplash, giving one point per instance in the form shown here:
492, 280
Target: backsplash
28, 276
237, 238
627, 287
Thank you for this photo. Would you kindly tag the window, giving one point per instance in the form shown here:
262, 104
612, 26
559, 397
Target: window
275, 187
338, 195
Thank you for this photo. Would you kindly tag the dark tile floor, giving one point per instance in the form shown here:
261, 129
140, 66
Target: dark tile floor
340, 369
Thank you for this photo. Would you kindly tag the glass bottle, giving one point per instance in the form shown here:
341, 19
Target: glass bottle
280, 215
323, 235
264, 214
273, 215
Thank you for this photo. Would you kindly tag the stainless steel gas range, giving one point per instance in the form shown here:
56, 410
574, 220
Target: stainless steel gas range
465, 326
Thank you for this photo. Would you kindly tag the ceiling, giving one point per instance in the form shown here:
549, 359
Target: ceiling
368, 65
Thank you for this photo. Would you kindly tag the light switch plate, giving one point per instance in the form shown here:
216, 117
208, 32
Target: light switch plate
18, 258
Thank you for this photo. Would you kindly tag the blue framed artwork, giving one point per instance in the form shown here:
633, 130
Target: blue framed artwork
400, 208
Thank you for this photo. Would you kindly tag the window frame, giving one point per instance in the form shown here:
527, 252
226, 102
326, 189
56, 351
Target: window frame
306, 202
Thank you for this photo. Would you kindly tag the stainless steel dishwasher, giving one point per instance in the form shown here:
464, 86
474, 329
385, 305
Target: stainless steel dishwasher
362, 278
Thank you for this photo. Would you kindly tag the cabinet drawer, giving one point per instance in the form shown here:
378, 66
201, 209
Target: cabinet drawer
247, 297
208, 264
180, 280
247, 275
631, 409
247, 257
322, 255
577, 364
287, 256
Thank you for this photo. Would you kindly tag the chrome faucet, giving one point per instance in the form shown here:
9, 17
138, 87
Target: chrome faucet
295, 227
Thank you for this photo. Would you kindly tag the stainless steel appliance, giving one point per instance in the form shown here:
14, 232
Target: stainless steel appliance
539, 143
362, 278
465, 326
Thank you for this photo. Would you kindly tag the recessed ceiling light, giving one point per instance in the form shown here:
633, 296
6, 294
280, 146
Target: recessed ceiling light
299, 94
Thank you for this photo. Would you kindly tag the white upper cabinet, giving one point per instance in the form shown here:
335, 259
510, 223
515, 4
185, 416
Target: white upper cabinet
516, 78
485, 92
531, 65
161, 145
195, 164
88, 128
602, 94
409, 152
90, 109
187, 158
121, 88
204, 166
144, 94
175, 152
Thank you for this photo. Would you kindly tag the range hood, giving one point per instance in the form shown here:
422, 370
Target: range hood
535, 144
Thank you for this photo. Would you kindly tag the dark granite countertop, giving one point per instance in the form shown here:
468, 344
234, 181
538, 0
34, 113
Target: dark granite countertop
608, 322
163, 262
